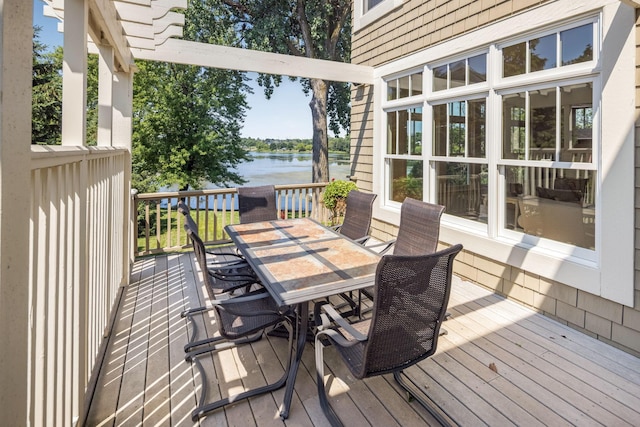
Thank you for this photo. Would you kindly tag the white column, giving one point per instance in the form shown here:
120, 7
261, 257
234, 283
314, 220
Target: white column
105, 94
16, 35
74, 72
121, 136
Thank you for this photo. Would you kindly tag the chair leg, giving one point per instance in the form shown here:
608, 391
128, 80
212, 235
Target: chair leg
205, 409
220, 343
414, 390
332, 417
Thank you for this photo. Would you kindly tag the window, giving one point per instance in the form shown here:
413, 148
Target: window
405, 86
575, 45
404, 150
366, 12
523, 155
460, 73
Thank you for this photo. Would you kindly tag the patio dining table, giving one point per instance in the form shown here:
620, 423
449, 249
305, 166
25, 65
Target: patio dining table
300, 260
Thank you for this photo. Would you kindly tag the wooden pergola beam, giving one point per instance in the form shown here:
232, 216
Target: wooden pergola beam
214, 56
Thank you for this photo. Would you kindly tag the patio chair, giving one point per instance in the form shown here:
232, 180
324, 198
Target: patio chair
356, 224
419, 229
240, 319
412, 293
357, 218
257, 204
418, 232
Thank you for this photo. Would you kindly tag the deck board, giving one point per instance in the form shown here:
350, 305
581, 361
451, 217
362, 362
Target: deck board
545, 373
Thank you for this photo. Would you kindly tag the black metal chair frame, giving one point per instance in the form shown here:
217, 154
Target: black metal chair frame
257, 204
257, 312
412, 293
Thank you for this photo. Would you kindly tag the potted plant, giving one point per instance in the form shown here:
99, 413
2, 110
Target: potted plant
334, 197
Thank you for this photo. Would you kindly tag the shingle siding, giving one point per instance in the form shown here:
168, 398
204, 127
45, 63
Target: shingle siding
418, 25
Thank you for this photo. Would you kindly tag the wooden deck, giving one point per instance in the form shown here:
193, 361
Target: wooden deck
500, 364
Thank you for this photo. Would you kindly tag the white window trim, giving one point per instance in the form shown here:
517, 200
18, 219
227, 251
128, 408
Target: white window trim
361, 20
611, 275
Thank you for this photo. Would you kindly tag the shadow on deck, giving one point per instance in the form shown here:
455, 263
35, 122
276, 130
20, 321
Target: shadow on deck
499, 364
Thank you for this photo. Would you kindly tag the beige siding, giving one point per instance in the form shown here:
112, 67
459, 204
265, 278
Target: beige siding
418, 25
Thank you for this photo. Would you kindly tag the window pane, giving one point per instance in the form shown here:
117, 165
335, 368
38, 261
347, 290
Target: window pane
440, 78
440, 130
392, 90
406, 179
458, 73
369, 4
392, 132
403, 132
403, 87
542, 53
457, 126
542, 123
462, 189
476, 132
577, 123
577, 44
478, 69
556, 204
513, 126
514, 60
415, 131
416, 84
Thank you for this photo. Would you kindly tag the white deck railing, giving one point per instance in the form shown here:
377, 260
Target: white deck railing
159, 227
78, 261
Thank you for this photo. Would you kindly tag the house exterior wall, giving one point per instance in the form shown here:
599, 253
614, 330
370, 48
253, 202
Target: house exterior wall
418, 25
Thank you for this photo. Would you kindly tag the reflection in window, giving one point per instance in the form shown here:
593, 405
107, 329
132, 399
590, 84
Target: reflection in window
514, 60
462, 189
556, 204
459, 129
440, 78
542, 53
404, 87
370, 4
457, 115
577, 123
513, 123
406, 179
392, 89
404, 131
478, 69
577, 44
460, 73
542, 124
476, 128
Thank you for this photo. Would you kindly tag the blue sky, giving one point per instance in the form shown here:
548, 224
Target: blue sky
285, 116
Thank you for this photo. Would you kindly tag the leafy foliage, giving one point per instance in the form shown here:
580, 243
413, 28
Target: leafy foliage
313, 29
47, 94
187, 119
336, 190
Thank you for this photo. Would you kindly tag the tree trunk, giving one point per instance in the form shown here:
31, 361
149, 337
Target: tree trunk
318, 104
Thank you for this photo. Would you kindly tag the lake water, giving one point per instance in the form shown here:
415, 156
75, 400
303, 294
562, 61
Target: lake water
288, 168
282, 169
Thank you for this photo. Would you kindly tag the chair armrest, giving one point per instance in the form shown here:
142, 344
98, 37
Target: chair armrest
385, 246
323, 322
335, 228
362, 240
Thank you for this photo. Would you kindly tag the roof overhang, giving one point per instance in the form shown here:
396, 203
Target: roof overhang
632, 3
126, 24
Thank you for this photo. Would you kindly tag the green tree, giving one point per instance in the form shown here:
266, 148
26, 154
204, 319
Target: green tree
46, 121
187, 119
313, 29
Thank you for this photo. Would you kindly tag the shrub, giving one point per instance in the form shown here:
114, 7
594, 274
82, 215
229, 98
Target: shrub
335, 195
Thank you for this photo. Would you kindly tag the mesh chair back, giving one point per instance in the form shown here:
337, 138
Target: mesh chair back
412, 294
357, 219
257, 204
419, 228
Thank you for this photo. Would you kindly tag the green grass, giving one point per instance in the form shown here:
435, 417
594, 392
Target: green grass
210, 228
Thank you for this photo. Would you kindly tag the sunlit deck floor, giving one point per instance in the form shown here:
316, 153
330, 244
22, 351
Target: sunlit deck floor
545, 373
